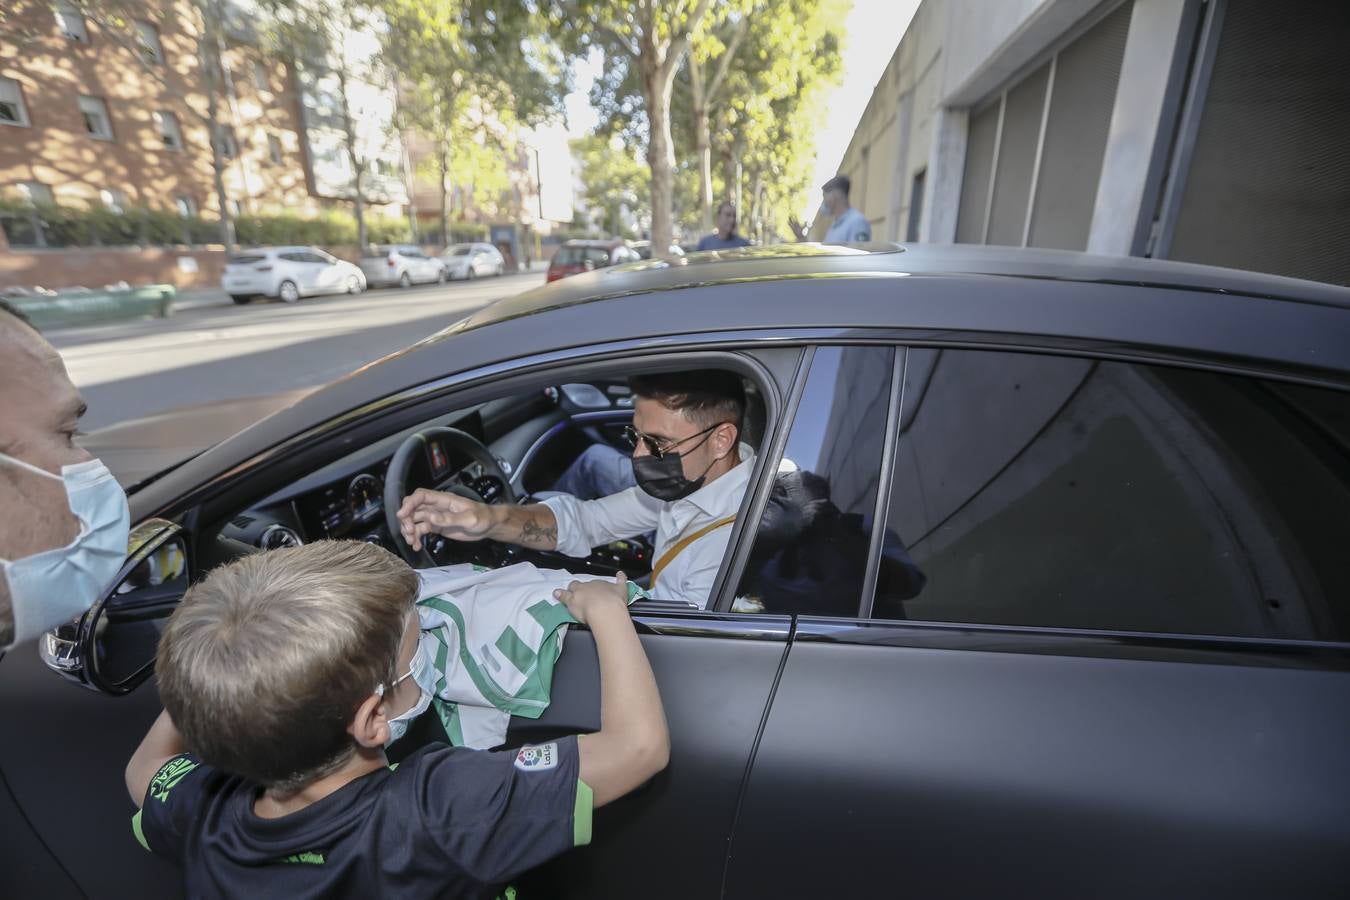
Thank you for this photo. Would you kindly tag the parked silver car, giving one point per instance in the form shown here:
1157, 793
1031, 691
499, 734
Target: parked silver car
401, 264
470, 261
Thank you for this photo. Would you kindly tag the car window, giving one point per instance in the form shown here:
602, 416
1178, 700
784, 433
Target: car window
328, 258
810, 550
1073, 493
294, 256
460, 251
243, 259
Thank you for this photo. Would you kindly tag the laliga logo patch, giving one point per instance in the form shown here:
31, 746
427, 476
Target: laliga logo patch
537, 759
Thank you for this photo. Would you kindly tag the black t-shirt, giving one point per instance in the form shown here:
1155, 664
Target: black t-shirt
447, 822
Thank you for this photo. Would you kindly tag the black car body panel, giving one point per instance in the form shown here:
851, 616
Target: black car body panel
831, 756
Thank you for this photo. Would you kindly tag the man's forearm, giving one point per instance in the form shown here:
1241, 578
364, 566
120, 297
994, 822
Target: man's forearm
532, 526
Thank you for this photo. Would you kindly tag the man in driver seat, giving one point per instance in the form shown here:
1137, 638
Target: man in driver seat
691, 471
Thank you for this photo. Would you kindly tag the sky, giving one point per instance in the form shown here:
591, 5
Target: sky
873, 29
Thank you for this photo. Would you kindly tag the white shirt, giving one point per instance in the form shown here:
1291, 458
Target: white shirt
689, 575
849, 227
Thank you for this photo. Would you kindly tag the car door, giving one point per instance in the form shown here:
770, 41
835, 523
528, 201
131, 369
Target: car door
328, 274
1099, 643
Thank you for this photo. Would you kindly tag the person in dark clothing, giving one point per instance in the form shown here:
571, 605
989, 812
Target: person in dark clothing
289, 672
725, 237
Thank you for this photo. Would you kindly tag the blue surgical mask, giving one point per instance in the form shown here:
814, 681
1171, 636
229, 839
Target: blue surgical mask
54, 586
421, 672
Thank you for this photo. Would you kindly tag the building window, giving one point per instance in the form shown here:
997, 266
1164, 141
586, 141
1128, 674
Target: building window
12, 110
148, 38
274, 149
169, 132
36, 192
114, 200
186, 206
259, 76
96, 121
71, 22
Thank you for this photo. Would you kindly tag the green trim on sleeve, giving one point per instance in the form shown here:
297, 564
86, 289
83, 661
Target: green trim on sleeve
140, 835
581, 815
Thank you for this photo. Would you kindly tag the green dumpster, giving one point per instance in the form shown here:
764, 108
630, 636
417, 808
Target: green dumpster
94, 307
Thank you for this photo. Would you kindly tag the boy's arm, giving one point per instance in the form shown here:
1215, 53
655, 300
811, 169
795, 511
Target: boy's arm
633, 743
160, 744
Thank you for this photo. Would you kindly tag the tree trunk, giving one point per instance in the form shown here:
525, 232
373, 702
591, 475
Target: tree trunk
443, 168
210, 45
660, 152
349, 138
703, 145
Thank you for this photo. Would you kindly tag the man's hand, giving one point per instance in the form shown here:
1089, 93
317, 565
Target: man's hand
458, 518
797, 228
584, 598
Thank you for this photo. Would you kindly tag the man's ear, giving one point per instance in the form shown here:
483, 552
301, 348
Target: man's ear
369, 728
724, 439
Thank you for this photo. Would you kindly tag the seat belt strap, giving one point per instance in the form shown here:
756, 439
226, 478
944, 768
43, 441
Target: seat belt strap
684, 542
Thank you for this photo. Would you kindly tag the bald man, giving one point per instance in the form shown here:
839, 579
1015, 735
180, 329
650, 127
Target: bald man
63, 518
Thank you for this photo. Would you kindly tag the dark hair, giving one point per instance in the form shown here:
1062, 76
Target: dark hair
838, 183
6, 306
704, 398
265, 661
724, 204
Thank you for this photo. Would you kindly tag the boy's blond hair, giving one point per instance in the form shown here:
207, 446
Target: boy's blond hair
264, 663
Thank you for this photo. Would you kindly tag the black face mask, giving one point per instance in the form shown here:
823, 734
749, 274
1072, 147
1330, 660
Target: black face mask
664, 478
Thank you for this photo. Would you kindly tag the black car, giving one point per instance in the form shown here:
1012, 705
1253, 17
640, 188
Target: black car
1040, 588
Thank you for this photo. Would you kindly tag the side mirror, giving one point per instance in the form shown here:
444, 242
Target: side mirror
111, 648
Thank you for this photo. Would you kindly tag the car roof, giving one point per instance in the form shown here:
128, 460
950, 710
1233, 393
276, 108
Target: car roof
808, 293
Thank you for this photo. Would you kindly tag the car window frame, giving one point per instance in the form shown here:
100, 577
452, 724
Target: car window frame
904, 340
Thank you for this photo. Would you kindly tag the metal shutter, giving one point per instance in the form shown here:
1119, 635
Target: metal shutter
1017, 159
982, 134
1268, 186
1082, 97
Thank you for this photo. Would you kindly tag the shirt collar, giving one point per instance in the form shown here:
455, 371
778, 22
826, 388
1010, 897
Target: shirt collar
722, 497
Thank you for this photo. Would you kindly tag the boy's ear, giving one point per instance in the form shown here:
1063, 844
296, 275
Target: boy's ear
368, 727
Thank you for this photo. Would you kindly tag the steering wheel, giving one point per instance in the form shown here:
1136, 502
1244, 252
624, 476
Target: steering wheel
396, 486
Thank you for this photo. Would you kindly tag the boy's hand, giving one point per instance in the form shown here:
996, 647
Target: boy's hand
583, 598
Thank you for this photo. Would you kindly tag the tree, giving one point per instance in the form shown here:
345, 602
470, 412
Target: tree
468, 64
708, 65
613, 179
333, 39
652, 37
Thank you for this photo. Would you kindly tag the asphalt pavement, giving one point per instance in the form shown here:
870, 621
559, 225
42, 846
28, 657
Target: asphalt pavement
211, 350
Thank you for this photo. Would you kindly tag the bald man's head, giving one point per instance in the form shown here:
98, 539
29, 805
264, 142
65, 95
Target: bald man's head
40, 412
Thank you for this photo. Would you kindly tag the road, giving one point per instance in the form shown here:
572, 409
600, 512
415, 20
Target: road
138, 368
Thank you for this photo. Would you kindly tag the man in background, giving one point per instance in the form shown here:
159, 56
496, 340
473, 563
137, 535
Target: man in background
725, 237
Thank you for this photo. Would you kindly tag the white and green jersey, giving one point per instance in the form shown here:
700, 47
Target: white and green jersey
493, 636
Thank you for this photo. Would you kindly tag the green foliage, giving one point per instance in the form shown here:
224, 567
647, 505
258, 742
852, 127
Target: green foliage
613, 178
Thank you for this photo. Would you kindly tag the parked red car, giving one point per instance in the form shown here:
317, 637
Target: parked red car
575, 257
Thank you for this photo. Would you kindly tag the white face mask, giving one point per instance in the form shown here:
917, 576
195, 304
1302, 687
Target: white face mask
421, 672
54, 586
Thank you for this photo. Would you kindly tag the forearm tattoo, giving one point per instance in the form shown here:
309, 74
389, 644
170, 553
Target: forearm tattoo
536, 535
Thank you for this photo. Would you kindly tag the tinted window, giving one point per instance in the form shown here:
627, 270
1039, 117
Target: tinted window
245, 259
294, 257
810, 552
459, 251
1038, 490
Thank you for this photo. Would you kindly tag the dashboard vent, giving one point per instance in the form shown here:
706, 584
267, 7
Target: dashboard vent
241, 521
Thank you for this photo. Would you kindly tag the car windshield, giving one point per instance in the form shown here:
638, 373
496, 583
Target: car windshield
459, 251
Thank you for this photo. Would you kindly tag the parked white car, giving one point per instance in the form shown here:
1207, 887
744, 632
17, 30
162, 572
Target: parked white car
288, 273
472, 260
401, 264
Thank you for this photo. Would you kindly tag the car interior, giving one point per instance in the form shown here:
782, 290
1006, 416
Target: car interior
507, 450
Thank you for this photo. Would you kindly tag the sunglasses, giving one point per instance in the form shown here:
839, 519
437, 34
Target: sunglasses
656, 447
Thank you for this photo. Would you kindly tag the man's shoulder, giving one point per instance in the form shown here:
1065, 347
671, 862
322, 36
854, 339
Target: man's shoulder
709, 242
